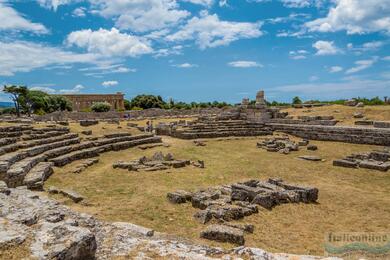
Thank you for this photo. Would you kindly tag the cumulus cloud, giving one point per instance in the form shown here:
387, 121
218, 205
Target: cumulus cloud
294, 3
109, 43
104, 69
76, 89
362, 65
79, 12
325, 48
22, 56
209, 31
245, 64
12, 20
298, 55
355, 17
54, 4
110, 83
200, 2
185, 65
44, 89
140, 15
335, 69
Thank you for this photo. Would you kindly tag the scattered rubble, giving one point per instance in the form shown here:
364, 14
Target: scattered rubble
149, 146
358, 115
88, 122
375, 160
233, 202
85, 164
157, 162
281, 144
67, 193
199, 143
311, 158
87, 132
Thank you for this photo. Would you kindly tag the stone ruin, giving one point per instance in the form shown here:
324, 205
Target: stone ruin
157, 162
27, 154
375, 160
222, 204
284, 145
85, 164
48, 230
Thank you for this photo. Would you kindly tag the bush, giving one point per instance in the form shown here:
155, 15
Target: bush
296, 101
101, 107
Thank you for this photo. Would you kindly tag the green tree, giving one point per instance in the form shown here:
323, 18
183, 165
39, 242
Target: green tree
127, 104
17, 94
101, 107
296, 100
57, 103
147, 101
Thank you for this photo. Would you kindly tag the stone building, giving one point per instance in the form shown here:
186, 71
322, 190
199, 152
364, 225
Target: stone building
84, 101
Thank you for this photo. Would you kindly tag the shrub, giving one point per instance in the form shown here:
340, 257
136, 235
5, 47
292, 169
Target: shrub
101, 107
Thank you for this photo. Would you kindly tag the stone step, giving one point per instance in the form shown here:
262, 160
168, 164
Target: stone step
9, 159
16, 173
35, 136
36, 177
47, 140
7, 141
115, 144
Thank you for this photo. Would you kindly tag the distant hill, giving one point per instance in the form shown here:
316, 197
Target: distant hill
6, 104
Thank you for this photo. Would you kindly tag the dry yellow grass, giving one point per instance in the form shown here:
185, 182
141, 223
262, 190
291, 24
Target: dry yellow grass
345, 113
350, 199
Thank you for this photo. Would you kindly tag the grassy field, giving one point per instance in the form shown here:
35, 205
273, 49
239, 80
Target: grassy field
344, 113
349, 199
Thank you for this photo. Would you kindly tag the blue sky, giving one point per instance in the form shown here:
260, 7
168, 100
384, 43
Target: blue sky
198, 50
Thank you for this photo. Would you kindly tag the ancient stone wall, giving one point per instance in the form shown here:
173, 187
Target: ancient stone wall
132, 114
85, 101
358, 135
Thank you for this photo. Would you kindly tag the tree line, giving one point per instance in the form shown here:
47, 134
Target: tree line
30, 102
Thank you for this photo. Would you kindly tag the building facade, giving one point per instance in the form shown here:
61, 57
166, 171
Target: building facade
85, 101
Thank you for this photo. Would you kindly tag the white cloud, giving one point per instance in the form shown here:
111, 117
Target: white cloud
387, 58
294, 3
362, 65
209, 31
355, 17
325, 48
185, 65
21, 56
54, 4
200, 2
110, 83
10, 19
245, 64
298, 55
104, 69
140, 15
223, 3
79, 12
314, 78
44, 89
335, 69
74, 90
291, 17
110, 43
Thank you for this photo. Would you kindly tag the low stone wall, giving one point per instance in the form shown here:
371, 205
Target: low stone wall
132, 114
358, 135
64, 116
